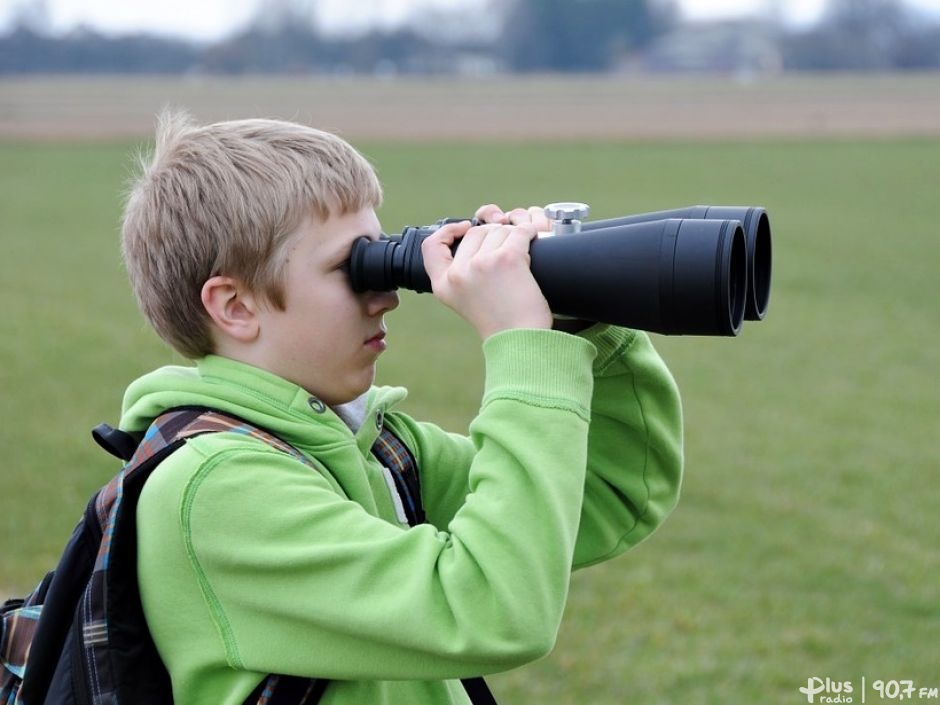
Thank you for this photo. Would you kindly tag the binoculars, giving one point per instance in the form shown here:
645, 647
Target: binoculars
700, 270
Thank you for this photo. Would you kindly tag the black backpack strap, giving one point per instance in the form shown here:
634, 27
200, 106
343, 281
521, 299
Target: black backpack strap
118, 443
478, 691
287, 690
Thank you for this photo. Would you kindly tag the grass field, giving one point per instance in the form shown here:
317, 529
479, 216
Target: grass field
806, 540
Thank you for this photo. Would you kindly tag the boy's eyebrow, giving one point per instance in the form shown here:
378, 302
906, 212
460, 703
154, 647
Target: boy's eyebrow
342, 252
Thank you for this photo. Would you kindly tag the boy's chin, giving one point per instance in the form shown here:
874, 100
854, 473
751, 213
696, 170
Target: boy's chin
353, 392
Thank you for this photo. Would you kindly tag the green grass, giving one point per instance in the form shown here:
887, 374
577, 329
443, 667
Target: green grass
806, 540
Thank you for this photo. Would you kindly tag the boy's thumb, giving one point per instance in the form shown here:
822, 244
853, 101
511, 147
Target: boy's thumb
437, 248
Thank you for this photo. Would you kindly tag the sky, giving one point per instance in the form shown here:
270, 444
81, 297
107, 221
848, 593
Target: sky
212, 19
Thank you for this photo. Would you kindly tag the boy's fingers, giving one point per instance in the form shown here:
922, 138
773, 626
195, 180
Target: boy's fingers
495, 237
532, 214
521, 236
539, 219
490, 213
472, 242
518, 216
436, 248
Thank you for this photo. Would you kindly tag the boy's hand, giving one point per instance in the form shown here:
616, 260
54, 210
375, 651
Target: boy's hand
487, 281
491, 213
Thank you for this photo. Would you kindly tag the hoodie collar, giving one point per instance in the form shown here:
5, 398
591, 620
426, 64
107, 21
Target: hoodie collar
259, 397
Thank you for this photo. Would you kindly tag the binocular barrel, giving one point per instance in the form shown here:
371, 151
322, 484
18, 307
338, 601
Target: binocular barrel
673, 276
757, 232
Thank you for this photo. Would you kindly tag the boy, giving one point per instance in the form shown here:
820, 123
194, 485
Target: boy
250, 562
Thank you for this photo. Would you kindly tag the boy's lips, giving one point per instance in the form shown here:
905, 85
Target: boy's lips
377, 341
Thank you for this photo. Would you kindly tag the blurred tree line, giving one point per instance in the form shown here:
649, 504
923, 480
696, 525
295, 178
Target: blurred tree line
513, 36
865, 35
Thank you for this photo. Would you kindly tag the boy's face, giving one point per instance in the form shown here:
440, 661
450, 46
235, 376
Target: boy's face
328, 338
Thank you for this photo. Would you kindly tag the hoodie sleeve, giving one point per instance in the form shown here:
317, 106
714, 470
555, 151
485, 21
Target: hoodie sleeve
634, 460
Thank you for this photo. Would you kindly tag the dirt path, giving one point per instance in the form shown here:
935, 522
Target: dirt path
488, 109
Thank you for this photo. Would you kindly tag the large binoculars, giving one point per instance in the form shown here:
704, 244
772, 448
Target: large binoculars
700, 270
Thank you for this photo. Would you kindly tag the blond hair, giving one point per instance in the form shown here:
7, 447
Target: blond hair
225, 199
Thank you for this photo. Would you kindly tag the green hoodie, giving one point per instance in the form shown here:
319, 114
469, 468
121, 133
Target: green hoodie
252, 563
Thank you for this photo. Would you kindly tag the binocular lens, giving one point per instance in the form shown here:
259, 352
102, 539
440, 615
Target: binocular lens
757, 231
676, 277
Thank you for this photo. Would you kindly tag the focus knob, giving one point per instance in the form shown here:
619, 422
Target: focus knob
567, 216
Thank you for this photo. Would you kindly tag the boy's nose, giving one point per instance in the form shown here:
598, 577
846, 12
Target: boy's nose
381, 301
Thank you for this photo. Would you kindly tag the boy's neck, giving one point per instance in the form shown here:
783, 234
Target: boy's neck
352, 412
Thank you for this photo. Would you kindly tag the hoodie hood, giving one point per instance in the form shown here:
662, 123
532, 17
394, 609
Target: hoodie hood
259, 397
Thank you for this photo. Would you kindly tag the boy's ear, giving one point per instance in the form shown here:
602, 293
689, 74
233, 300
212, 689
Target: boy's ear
233, 308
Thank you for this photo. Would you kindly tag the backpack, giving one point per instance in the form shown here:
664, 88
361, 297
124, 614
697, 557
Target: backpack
80, 638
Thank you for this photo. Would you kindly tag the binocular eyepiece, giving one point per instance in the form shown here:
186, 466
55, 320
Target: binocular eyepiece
691, 271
